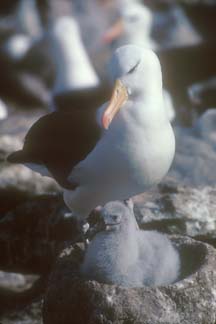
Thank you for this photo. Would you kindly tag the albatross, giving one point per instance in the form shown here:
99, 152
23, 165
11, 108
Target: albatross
74, 69
122, 254
118, 151
76, 84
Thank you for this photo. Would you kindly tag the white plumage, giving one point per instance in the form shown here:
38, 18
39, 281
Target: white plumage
122, 254
137, 24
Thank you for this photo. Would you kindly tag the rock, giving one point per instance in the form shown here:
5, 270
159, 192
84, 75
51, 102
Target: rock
178, 209
30, 315
8, 144
17, 125
23, 179
70, 299
32, 234
19, 184
14, 280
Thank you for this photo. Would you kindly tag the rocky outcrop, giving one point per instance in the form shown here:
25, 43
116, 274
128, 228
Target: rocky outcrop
23, 179
33, 233
178, 209
71, 299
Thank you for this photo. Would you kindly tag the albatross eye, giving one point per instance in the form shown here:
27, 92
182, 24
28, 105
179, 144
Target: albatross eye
133, 68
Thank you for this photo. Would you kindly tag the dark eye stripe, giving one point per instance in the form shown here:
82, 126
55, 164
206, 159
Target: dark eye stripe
134, 68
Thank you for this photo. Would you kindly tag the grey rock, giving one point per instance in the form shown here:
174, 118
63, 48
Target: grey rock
178, 209
32, 234
30, 315
14, 280
70, 299
18, 179
19, 184
19, 176
18, 124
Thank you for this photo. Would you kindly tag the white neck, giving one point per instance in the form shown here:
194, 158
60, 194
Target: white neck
74, 69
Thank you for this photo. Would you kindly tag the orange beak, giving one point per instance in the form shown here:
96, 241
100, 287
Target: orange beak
118, 98
114, 32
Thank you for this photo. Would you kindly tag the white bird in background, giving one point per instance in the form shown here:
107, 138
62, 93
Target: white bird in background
74, 70
3, 110
121, 150
124, 255
134, 26
27, 29
27, 17
17, 46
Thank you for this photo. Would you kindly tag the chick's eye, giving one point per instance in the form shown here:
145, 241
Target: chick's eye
115, 217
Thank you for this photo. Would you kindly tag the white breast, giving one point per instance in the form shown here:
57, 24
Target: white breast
126, 161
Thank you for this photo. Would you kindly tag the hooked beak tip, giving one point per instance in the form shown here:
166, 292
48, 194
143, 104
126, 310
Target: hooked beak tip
106, 121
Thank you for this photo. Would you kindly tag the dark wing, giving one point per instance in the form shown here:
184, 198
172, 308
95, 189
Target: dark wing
60, 141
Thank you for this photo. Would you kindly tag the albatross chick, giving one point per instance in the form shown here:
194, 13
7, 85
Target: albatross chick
124, 255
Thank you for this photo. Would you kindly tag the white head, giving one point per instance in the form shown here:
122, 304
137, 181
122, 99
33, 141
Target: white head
134, 25
138, 21
138, 75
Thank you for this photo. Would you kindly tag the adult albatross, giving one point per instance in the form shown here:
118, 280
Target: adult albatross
119, 151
